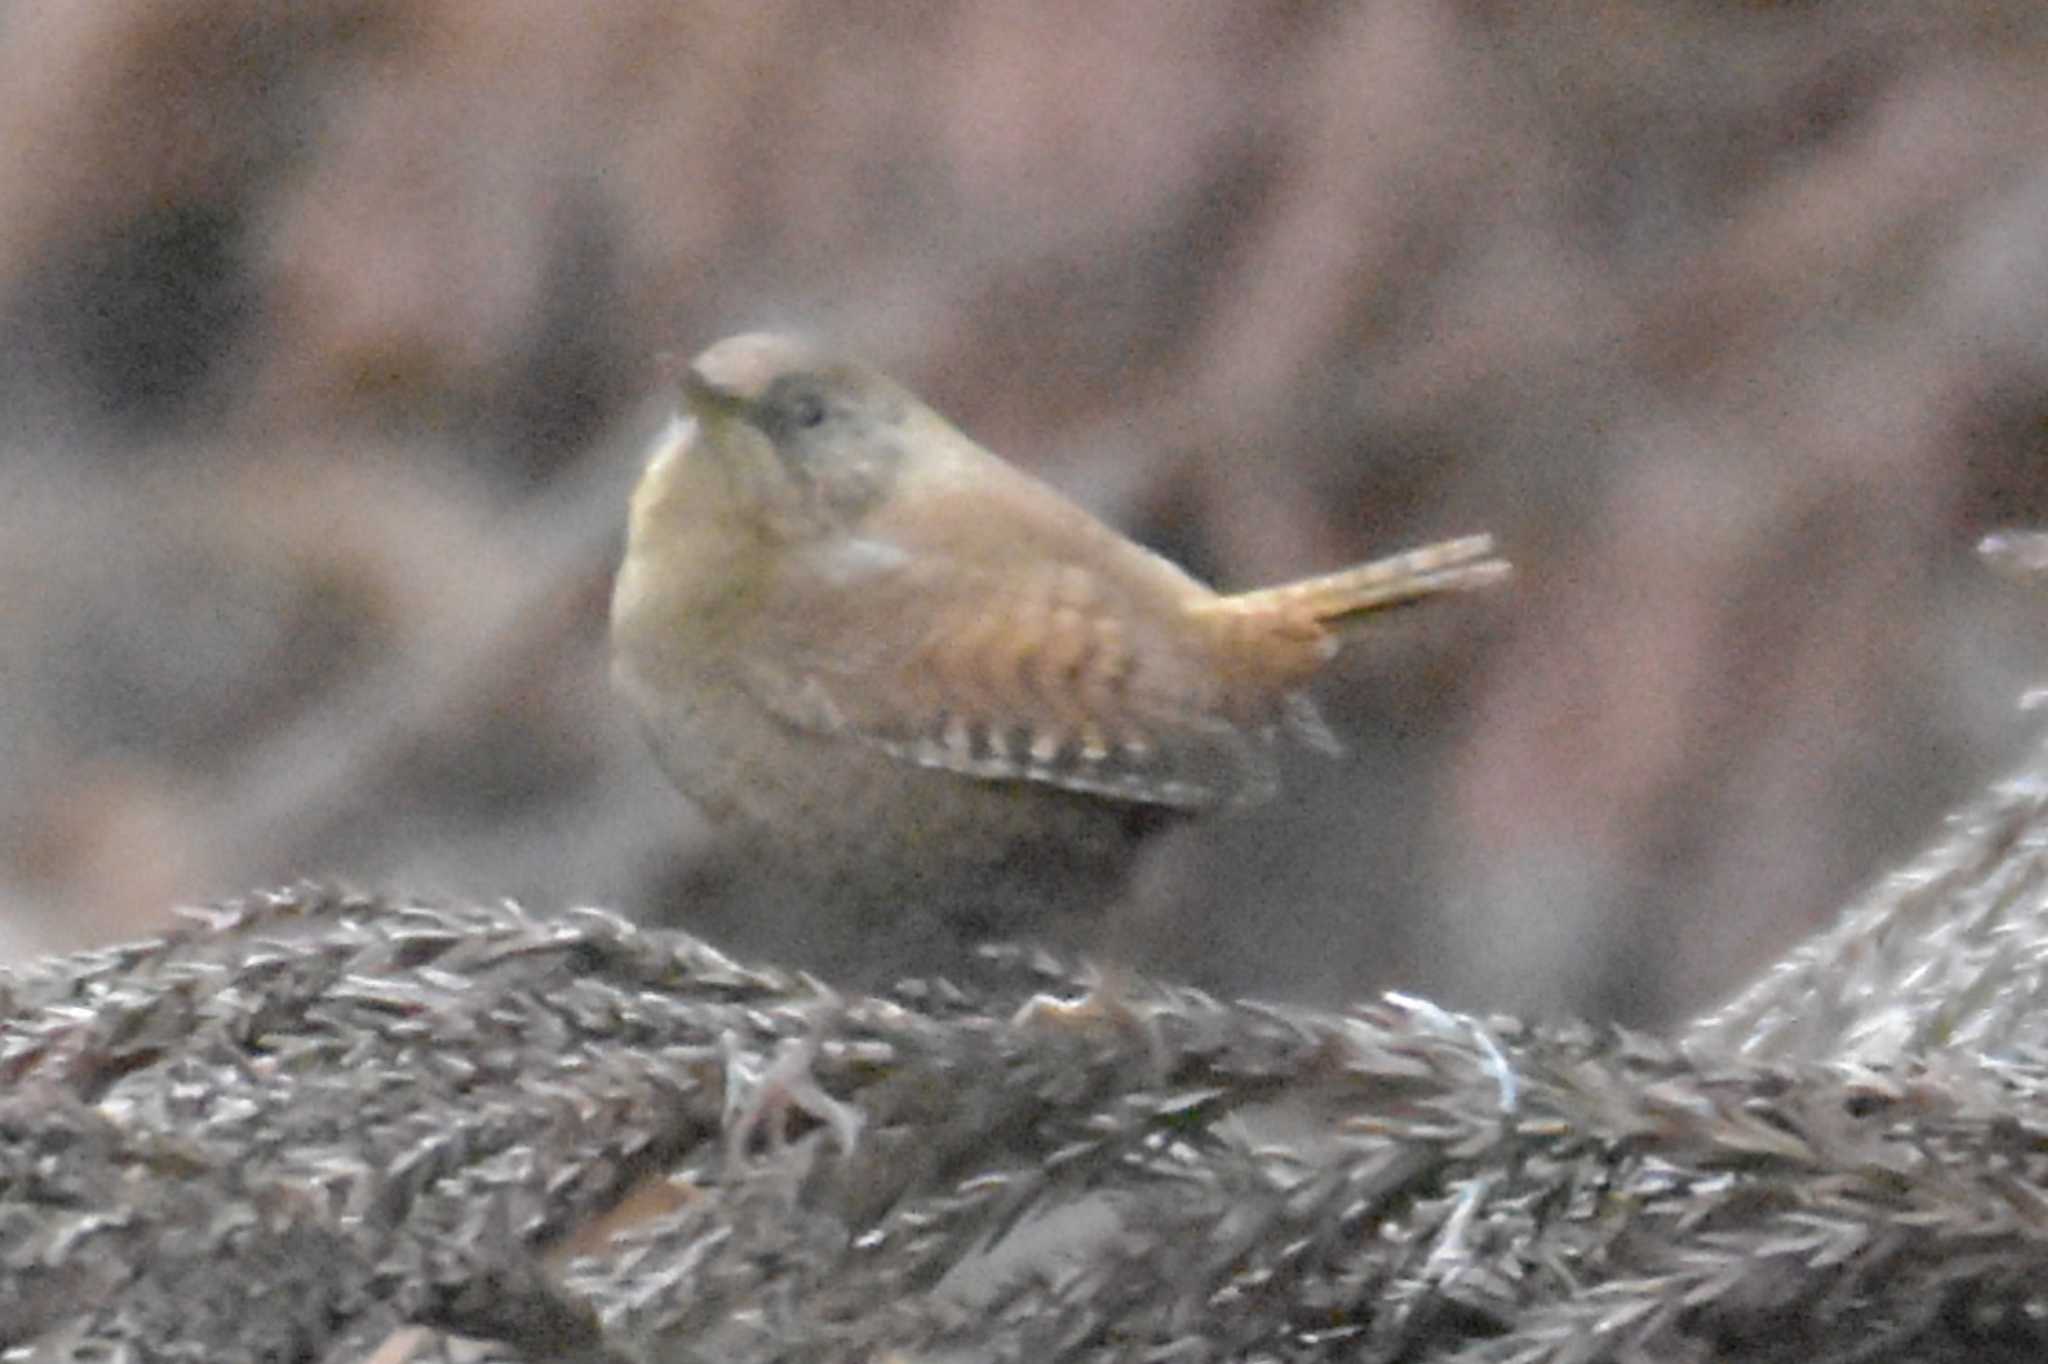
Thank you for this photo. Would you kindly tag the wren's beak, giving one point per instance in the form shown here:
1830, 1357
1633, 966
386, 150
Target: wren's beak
737, 371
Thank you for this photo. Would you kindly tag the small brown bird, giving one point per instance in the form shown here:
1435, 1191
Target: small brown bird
931, 700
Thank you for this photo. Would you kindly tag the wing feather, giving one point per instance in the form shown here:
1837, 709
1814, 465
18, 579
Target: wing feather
1045, 673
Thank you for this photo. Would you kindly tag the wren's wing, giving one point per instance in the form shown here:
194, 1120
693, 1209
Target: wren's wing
1047, 673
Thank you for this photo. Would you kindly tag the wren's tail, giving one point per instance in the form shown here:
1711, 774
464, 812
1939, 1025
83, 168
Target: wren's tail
1447, 566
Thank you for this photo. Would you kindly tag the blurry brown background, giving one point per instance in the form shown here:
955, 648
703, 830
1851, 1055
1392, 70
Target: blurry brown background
326, 338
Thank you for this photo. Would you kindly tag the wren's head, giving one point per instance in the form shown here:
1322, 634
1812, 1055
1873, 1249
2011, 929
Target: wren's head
804, 445
776, 452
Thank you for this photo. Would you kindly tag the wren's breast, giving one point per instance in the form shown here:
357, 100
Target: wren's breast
875, 860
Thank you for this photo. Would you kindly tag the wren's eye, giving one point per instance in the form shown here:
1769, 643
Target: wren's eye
806, 410
791, 412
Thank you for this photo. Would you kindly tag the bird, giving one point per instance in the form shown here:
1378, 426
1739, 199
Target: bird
926, 700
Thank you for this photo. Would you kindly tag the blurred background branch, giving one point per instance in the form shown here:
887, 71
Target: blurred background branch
326, 338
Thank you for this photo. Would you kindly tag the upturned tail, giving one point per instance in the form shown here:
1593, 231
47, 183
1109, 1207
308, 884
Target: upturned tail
1459, 565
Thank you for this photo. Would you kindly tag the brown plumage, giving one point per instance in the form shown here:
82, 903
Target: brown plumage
930, 697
